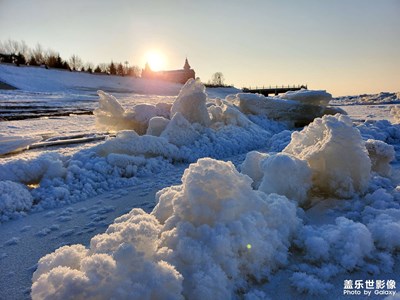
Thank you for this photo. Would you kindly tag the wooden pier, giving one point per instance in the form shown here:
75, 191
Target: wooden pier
275, 90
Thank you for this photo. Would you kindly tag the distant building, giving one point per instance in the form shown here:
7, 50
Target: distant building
179, 76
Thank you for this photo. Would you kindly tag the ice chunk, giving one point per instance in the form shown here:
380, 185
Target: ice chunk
225, 113
179, 131
251, 166
191, 103
316, 97
286, 175
157, 126
9, 144
335, 153
110, 115
381, 154
290, 111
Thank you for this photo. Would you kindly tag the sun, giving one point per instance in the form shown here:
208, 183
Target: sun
155, 60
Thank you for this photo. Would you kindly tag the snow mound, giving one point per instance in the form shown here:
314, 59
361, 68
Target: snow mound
308, 97
191, 103
286, 175
116, 267
346, 243
336, 155
14, 197
381, 154
205, 239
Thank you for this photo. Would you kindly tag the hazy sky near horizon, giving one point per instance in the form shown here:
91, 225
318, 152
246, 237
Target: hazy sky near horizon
343, 46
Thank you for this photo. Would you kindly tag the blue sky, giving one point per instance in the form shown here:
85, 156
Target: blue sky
343, 46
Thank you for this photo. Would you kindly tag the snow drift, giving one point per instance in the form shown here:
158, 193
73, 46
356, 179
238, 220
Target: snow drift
204, 239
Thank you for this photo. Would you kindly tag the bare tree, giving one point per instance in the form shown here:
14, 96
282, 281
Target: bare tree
218, 79
51, 58
103, 67
75, 62
120, 70
11, 47
89, 67
134, 71
38, 54
126, 67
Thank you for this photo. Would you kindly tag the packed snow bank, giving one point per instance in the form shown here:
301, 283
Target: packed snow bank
298, 111
205, 239
308, 97
336, 154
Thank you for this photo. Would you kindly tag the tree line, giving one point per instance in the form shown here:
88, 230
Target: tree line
19, 53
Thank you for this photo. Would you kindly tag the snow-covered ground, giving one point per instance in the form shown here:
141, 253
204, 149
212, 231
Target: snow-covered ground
227, 203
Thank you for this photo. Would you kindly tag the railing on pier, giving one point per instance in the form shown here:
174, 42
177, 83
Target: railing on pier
274, 89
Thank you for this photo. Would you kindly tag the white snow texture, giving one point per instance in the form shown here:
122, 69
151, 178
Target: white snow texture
203, 240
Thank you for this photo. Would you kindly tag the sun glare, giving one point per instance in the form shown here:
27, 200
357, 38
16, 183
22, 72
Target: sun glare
156, 60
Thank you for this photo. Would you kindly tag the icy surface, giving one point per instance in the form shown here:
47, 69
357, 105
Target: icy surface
218, 232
